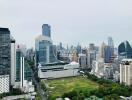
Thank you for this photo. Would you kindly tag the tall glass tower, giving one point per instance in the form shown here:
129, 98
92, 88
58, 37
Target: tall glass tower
110, 42
45, 50
46, 30
5, 51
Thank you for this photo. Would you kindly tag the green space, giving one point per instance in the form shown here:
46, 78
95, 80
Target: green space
58, 87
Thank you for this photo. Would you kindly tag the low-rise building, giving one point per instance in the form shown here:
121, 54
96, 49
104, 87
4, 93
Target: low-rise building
58, 70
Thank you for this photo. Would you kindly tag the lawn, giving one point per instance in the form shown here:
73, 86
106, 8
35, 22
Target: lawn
57, 87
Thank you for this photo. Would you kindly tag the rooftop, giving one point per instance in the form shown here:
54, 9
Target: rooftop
4, 29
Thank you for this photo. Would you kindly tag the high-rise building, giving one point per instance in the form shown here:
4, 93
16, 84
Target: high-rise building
125, 50
111, 45
79, 49
107, 54
126, 71
45, 50
91, 47
13, 61
83, 60
102, 50
18, 64
110, 42
23, 71
5, 59
46, 30
5, 51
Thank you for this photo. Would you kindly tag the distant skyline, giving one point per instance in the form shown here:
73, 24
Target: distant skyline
71, 21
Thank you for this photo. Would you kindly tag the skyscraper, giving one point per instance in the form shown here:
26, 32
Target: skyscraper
5, 51
107, 54
102, 49
45, 50
46, 30
110, 42
111, 45
126, 71
13, 61
23, 70
125, 50
5, 59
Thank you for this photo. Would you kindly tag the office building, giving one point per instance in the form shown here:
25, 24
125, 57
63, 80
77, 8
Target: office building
13, 61
5, 60
5, 51
110, 42
78, 49
102, 51
46, 30
126, 72
125, 50
91, 47
44, 48
107, 54
22, 67
83, 60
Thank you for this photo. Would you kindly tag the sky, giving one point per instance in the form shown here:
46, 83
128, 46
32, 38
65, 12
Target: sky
71, 21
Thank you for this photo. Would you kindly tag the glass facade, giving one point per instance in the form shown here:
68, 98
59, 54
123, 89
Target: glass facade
18, 65
45, 52
46, 30
5, 51
107, 54
125, 50
27, 69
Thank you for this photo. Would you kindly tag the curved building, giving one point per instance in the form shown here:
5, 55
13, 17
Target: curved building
45, 52
125, 50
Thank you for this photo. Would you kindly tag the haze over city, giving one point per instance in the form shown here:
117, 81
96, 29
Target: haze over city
72, 21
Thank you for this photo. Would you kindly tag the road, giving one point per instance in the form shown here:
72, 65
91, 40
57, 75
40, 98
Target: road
39, 89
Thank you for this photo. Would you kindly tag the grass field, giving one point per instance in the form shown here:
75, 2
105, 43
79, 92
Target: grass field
58, 87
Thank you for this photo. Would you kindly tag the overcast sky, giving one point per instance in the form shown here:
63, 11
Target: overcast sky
72, 21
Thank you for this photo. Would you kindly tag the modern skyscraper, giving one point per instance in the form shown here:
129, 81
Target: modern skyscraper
5, 59
13, 61
102, 49
5, 51
18, 64
125, 50
111, 45
46, 30
107, 54
110, 42
23, 71
45, 50
126, 71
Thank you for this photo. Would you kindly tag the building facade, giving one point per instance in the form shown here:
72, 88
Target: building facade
46, 30
126, 71
5, 60
5, 51
107, 54
13, 61
125, 50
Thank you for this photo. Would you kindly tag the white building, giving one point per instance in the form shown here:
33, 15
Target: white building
58, 70
126, 71
4, 83
98, 68
13, 62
